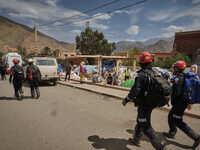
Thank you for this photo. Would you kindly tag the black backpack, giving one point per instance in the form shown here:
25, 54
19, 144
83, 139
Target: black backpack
34, 72
158, 92
19, 73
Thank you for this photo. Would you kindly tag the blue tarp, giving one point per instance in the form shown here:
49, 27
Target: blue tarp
59, 67
108, 64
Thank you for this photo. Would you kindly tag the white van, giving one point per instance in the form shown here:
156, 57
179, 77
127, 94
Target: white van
48, 67
8, 60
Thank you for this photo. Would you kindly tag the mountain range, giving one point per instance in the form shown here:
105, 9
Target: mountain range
152, 45
13, 34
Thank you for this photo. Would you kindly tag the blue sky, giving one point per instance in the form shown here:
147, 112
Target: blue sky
151, 19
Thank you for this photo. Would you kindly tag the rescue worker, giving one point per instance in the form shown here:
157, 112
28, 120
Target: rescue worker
137, 95
175, 117
33, 75
17, 73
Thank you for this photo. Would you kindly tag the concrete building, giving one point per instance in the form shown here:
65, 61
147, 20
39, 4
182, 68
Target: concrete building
187, 43
155, 56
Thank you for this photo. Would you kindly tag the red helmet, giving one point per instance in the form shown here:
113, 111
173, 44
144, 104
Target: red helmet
145, 57
179, 64
15, 60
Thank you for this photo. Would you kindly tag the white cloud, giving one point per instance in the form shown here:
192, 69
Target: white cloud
195, 1
134, 15
51, 2
75, 32
48, 11
166, 35
173, 13
173, 28
121, 11
36, 9
133, 30
102, 16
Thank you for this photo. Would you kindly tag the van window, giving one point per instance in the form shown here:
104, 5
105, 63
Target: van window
45, 62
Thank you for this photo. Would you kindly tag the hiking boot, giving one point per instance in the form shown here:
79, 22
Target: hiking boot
37, 96
196, 143
135, 141
22, 97
169, 135
19, 98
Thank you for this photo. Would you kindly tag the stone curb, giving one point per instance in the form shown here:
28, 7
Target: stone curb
113, 96
102, 85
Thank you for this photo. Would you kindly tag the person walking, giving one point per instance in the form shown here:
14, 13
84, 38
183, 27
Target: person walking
17, 77
137, 94
33, 75
82, 72
175, 117
68, 71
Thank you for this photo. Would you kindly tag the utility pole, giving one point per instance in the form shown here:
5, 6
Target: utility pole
35, 40
87, 24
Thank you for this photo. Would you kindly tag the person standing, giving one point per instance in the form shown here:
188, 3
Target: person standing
137, 94
68, 71
127, 73
17, 73
33, 75
110, 79
175, 117
82, 72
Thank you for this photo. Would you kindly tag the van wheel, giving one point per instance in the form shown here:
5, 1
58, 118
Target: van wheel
55, 82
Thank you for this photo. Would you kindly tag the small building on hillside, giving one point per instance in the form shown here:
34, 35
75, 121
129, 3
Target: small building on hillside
187, 43
67, 54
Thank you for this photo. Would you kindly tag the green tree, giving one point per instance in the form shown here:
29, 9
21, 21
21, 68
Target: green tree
23, 52
56, 52
167, 63
46, 51
131, 52
93, 43
1, 54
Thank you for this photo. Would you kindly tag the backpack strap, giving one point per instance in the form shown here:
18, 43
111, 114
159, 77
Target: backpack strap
151, 74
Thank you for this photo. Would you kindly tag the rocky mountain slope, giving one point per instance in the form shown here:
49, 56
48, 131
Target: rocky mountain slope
13, 34
152, 45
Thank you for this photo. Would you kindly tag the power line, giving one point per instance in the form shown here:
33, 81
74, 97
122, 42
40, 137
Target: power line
127, 6
80, 13
25, 37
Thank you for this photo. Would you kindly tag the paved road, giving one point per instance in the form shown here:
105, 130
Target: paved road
66, 118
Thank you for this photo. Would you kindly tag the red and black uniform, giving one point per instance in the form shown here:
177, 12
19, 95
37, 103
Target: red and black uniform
33, 75
17, 73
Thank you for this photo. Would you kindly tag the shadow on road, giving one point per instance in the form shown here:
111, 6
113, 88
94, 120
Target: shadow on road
145, 138
109, 143
12, 98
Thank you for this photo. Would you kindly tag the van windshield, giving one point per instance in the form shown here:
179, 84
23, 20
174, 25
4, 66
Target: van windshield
45, 62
